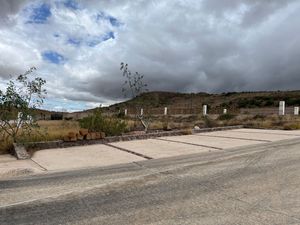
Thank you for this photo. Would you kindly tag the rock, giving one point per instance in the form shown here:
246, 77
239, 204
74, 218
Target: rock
83, 132
20, 151
68, 138
98, 135
72, 135
196, 128
73, 139
88, 136
93, 135
102, 135
79, 137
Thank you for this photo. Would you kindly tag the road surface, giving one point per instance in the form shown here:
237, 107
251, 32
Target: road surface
244, 185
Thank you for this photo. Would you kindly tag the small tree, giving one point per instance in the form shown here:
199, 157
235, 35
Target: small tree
134, 85
17, 102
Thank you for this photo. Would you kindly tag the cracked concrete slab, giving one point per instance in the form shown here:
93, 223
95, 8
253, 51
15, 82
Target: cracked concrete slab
256, 136
81, 157
264, 131
11, 167
218, 142
156, 148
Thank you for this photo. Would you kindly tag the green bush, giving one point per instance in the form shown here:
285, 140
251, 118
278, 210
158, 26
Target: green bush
226, 117
110, 126
208, 122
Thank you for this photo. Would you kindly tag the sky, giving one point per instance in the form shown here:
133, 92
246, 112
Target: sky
178, 45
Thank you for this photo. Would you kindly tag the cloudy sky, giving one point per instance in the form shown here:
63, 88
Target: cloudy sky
179, 45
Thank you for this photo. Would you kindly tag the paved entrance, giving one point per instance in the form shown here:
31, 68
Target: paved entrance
140, 150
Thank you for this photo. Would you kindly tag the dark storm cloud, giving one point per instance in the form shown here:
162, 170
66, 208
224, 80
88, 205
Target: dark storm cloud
233, 46
182, 45
8, 8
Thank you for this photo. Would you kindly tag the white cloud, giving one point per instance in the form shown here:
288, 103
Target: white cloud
183, 45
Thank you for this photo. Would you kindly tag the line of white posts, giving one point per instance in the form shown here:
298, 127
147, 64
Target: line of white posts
282, 111
166, 111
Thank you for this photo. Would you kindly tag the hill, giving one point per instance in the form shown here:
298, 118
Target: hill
232, 100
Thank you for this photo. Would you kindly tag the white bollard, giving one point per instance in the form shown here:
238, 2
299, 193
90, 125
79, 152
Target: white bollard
282, 108
166, 111
125, 112
142, 112
20, 115
224, 111
204, 110
30, 119
296, 111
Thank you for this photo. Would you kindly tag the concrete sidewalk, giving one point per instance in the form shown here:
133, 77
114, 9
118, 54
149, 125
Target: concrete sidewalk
81, 157
10, 167
158, 148
251, 136
133, 151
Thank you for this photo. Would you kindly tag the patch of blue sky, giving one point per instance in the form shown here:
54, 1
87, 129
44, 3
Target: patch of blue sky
71, 4
39, 14
94, 42
109, 35
112, 20
53, 57
100, 16
74, 41
97, 40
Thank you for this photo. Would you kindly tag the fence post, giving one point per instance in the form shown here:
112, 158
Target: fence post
19, 117
282, 108
142, 111
296, 111
204, 110
125, 112
166, 111
224, 111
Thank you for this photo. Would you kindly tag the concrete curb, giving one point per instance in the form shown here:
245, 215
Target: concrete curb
20, 152
62, 144
203, 130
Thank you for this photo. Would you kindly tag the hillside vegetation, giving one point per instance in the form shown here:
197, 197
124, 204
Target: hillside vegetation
231, 100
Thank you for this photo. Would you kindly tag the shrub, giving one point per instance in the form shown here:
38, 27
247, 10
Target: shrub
121, 114
226, 117
110, 126
209, 122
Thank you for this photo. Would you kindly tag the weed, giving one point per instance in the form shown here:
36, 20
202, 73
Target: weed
226, 117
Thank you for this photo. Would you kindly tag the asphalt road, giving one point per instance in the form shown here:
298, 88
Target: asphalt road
249, 185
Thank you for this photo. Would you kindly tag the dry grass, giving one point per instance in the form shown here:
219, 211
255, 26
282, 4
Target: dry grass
288, 122
47, 131
57, 129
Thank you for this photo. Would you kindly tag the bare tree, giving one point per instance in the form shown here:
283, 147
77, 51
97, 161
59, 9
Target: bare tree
134, 86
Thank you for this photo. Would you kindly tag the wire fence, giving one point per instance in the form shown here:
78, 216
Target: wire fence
180, 111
